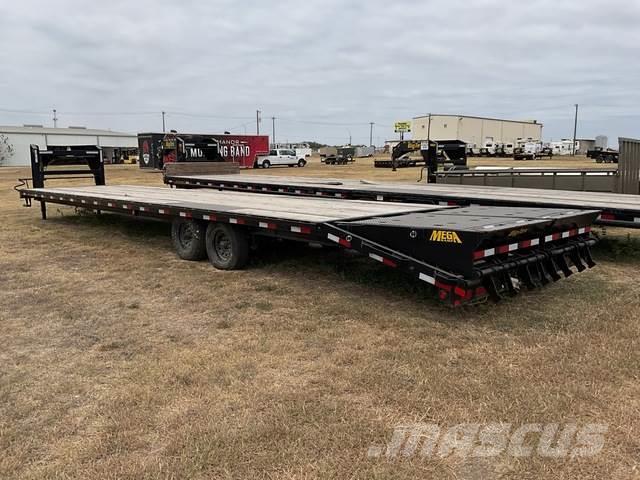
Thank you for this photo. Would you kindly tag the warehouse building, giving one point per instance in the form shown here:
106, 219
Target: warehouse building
15, 142
475, 130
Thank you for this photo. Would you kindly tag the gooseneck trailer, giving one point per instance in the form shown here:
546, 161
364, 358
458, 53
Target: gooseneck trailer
467, 253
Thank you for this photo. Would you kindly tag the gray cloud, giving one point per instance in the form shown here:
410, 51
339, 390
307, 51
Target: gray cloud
340, 64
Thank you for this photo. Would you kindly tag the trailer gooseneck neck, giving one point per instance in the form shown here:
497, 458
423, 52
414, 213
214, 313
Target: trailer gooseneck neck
467, 253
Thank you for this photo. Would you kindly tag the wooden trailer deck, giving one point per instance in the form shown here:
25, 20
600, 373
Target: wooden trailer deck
311, 210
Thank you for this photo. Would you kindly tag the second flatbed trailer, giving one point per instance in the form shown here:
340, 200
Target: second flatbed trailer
468, 254
615, 209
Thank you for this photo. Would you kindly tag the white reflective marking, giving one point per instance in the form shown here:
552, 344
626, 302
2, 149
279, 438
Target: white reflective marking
376, 257
426, 278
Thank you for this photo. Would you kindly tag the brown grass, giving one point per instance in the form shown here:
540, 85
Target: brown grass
117, 360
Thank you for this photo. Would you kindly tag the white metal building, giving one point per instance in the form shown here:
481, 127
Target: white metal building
475, 130
15, 141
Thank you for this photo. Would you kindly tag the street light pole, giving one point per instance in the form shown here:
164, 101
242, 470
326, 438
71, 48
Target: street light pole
257, 122
575, 131
163, 126
273, 129
371, 134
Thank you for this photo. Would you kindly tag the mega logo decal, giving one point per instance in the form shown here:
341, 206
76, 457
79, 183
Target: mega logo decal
445, 236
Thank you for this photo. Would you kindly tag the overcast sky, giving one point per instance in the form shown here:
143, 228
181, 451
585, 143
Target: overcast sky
324, 68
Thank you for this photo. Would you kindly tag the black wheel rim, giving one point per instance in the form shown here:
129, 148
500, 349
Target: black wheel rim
222, 245
185, 235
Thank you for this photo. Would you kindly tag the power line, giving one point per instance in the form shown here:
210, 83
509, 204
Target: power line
201, 115
7, 110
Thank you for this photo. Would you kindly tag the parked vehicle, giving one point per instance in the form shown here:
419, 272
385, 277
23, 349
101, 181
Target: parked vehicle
364, 152
601, 155
280, 156
303, 150
338, 159
327, 151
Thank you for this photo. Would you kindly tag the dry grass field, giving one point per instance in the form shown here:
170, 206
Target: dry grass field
120, 361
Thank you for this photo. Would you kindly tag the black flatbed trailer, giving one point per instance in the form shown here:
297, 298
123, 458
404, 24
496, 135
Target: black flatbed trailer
615, 209
468, 254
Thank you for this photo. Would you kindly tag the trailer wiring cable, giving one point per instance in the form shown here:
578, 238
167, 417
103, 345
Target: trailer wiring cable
24, 182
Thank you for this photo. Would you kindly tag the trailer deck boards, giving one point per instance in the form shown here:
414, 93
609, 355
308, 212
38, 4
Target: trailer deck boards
467, 253
254, 204
616, 209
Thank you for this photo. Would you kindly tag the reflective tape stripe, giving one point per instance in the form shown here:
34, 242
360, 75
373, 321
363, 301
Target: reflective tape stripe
376, 257
426, 278
388, 262
529, 243
341, 241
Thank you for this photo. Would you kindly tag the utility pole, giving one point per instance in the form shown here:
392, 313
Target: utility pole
257, 122
349, 136
163, 127
273, 129
371, 134
55, 118
575, 131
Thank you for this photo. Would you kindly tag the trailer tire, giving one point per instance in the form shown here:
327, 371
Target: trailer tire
188, 237
227, 246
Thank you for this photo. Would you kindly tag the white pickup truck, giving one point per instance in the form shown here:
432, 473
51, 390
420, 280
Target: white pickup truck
280, 156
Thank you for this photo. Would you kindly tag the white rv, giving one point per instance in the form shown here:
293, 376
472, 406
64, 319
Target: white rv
302, 150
